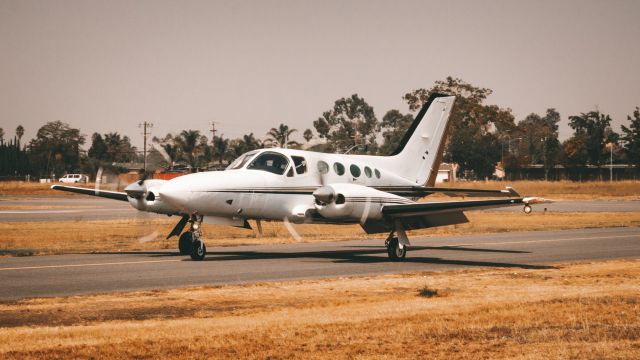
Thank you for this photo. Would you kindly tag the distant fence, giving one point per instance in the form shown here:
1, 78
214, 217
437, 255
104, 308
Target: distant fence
589, 173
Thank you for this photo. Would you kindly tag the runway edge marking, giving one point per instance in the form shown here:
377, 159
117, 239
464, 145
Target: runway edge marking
84, 265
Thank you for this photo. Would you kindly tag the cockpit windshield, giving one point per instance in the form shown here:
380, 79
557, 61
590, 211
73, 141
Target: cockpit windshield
270, 161
242, 160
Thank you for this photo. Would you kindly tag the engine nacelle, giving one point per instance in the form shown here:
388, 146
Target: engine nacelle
351, 202
147, 197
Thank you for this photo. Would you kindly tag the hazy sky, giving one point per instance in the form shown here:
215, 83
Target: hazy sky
249, 65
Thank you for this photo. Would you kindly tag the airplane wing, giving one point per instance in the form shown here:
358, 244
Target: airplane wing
420, 191
115, 195
432, 214
508, 192
430, 208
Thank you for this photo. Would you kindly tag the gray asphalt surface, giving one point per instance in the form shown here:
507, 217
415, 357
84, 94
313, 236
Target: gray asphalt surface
106, 209
108, 272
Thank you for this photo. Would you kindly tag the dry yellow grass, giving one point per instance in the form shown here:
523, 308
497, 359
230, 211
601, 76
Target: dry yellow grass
562, 189
577, 311
555, 189
29, 238
12, 188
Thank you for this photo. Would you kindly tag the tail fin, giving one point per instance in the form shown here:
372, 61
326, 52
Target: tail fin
419, 153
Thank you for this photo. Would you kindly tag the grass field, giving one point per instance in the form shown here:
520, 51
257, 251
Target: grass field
554, 190
562, 190
574, 311
37, 238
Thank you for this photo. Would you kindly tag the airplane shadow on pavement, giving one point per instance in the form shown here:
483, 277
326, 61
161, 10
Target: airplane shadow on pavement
359, 254
369, 256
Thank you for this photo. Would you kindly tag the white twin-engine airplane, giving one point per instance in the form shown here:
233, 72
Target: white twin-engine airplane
377, 192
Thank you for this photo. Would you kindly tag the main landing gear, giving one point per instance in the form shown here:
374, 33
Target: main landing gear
397, 245
190, 242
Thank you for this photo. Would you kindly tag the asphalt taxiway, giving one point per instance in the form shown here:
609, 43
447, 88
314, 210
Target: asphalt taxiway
77, 208
61, 275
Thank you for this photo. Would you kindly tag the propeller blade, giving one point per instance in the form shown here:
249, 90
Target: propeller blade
98, 180
291, 230
150, 237
144, 177
259, 226
365, 212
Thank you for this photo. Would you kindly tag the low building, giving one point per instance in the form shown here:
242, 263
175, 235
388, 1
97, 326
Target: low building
446, 173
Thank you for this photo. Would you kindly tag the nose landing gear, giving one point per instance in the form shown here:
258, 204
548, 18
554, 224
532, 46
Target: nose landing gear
184, 243
190, 242
198, 250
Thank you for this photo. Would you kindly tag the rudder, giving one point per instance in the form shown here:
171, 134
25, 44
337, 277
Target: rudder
419, 153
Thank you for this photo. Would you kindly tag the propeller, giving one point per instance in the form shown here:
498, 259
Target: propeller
136, 190
324, 195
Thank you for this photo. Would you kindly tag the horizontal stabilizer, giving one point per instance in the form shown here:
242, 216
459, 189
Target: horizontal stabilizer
536, 200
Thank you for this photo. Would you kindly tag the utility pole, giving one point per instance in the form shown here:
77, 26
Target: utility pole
146, 131
544, 153
213, 141
611, 162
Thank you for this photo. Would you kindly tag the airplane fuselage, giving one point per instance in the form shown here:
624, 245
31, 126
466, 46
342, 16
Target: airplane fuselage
279, 188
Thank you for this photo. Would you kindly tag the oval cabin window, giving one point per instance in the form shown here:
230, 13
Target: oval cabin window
355, 170
323, 167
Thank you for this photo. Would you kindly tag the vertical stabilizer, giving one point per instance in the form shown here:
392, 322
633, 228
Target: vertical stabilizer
419, 153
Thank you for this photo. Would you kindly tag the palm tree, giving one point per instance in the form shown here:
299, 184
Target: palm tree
169, 147
221, 148
279, 137
19, 132
250, 142
188, 141
307, 135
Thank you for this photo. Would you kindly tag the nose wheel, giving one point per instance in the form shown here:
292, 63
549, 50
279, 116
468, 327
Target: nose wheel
198, 250
190, 242
184, 243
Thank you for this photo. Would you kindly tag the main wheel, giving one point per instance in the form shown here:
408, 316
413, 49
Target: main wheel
396, 253
198, 250
184, 243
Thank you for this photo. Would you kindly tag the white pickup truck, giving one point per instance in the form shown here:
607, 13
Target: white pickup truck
74, 178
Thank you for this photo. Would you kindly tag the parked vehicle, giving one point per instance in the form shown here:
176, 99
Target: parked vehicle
74, 178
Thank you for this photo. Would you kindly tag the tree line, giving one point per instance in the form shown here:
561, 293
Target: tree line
481, 136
